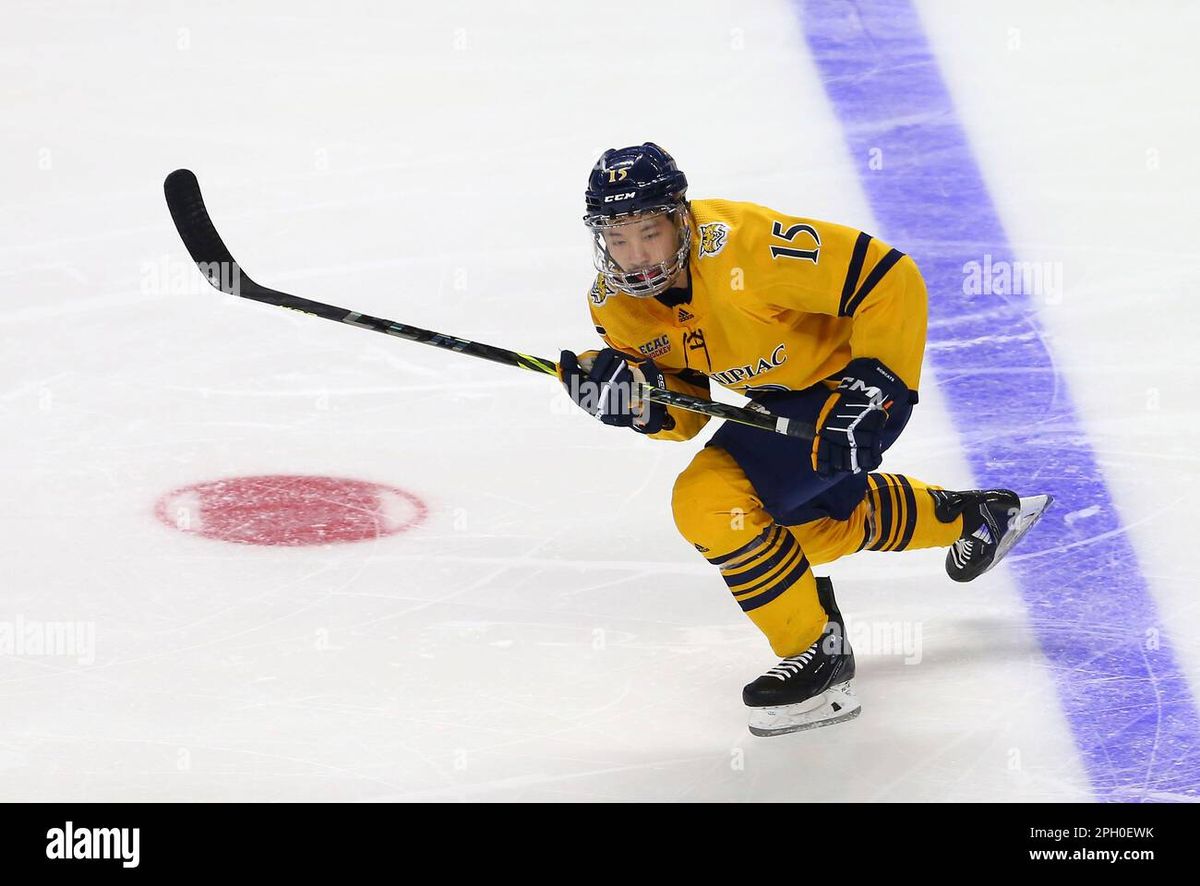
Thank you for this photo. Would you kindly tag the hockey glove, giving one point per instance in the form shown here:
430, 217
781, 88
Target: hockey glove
850, 427
605, 385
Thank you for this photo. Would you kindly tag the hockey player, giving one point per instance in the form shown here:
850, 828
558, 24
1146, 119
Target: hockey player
814, 321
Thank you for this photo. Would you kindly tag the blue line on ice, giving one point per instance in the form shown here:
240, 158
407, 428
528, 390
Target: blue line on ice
1126, 698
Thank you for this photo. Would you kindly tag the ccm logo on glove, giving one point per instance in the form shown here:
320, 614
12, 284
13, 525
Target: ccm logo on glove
873, 393
850, 426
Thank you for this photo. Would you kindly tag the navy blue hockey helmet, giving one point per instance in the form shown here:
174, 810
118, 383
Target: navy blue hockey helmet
629, 185
636, 179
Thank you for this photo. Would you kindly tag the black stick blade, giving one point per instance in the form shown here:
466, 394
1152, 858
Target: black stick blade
200, 235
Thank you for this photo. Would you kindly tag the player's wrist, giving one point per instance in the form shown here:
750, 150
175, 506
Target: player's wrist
651, 417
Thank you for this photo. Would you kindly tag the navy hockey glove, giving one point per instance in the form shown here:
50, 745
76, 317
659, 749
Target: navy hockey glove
849, 432
605, 385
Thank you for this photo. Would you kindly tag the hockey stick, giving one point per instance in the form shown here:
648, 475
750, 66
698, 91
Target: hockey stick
222, 270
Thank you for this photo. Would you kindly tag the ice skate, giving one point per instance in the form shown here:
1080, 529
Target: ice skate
811, 689
993, 521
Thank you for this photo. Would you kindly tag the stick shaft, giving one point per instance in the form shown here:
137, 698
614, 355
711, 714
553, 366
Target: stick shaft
222, 270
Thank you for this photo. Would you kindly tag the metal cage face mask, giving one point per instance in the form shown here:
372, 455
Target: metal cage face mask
614, 235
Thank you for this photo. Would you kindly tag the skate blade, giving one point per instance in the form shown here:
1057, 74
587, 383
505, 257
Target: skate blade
1031, 511
835, 705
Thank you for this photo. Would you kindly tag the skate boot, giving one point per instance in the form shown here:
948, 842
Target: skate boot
810, 689
993, 521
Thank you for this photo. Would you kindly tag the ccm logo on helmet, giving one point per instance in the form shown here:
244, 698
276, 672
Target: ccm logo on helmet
611, 197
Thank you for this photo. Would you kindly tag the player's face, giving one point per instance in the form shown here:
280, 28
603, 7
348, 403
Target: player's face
643, 243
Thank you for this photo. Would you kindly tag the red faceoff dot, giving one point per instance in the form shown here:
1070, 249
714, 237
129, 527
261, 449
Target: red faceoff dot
290, 510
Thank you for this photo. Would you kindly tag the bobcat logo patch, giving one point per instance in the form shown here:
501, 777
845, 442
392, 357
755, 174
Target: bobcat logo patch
712, 238
599, 292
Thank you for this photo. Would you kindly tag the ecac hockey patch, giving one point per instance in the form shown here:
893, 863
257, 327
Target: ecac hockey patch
656, 348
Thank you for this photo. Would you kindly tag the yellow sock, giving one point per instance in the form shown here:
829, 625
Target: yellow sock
774, 585
896, 515
903, 517
717, 510
768, 567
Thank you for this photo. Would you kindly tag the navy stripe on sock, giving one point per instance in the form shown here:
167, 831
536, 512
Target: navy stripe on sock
765, 598
883, 517
766, 539
898, 514
793, 557
750, 576
910, 520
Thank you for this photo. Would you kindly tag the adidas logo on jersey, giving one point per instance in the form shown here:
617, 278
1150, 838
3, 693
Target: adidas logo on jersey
685, 315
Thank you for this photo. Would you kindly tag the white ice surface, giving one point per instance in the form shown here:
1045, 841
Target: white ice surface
545, 634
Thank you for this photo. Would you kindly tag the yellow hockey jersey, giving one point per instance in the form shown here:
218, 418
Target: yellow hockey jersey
775, 302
